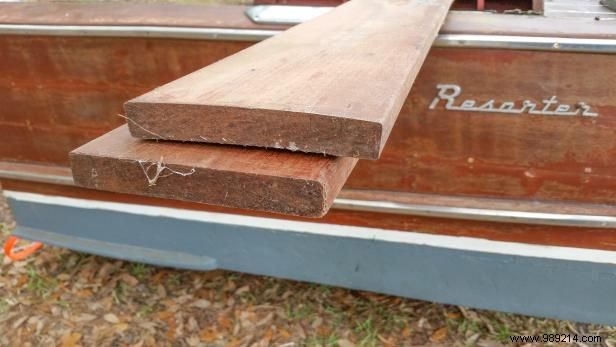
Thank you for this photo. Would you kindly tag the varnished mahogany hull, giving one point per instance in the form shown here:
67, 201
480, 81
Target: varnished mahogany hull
58, 93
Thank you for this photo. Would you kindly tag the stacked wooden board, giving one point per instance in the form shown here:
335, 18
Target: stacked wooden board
331, 87
281, 181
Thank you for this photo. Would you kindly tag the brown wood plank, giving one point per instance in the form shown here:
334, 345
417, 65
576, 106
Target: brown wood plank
332, 85
232, 176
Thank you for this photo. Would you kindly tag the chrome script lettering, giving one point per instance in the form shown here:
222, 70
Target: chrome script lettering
548, 107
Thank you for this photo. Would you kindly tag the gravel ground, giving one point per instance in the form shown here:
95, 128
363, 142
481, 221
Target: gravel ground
63, 298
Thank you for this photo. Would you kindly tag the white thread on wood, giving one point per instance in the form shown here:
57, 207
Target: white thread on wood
144, 129
160, 168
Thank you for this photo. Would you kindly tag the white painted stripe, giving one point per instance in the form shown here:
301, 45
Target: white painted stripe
333, 230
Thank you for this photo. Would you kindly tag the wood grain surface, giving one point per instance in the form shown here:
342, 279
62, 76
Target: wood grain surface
333, 85
232, 176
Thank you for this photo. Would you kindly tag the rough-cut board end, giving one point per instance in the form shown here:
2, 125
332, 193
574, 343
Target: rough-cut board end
311, 133
273, 181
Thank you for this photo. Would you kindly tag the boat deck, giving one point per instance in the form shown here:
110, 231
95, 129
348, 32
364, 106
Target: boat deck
590, 9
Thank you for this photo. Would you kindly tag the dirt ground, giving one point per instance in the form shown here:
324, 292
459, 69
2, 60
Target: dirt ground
63, 298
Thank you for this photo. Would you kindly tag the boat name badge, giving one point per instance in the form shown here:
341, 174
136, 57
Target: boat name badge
549, 107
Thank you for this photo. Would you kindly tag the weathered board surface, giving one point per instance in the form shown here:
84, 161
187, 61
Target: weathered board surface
232, 176
333, 85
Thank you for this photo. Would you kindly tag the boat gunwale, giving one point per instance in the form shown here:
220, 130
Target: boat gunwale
229, 22
553, 44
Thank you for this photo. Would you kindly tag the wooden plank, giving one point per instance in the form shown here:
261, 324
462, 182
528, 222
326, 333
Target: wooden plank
232, 176
333, 85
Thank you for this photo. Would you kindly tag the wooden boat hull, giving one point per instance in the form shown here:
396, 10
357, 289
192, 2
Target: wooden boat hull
534, 183
52, 107
60, 92
429, 151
